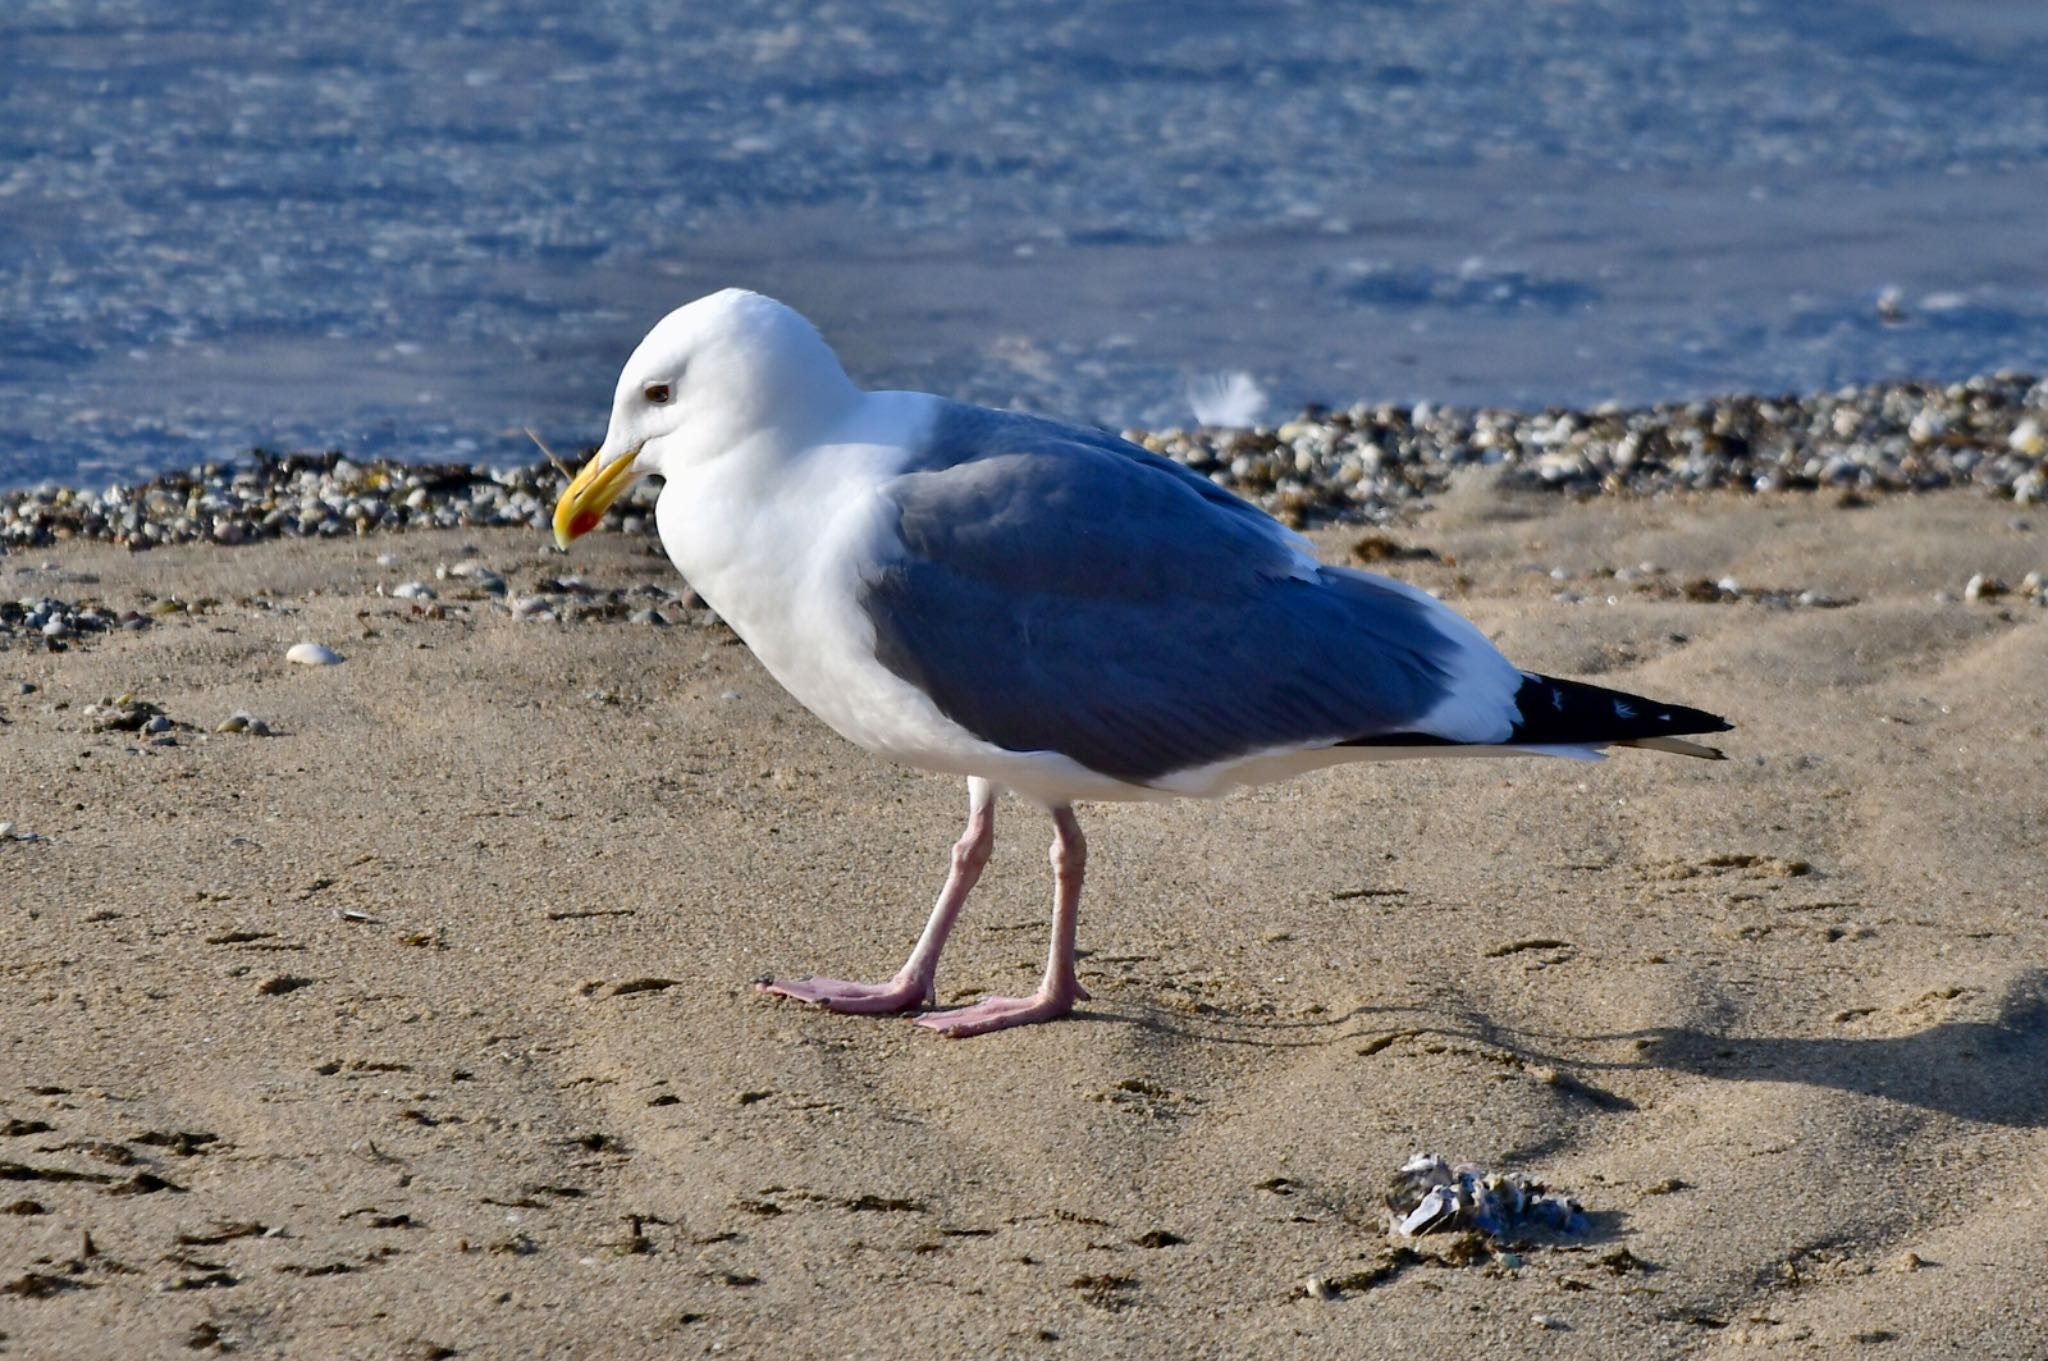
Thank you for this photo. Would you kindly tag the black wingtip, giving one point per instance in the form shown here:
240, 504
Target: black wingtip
1573, 712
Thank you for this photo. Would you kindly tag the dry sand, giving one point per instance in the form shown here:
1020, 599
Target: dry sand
1780, 1023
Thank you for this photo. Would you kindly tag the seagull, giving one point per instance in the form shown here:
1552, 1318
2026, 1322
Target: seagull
1046, 609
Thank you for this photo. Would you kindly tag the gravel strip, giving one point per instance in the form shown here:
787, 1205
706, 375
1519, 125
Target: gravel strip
1367, 464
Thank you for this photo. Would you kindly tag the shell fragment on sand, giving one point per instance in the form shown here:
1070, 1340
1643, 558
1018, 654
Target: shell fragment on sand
312, 654
1429, 1195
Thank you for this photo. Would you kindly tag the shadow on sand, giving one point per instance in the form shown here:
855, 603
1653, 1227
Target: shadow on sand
1987, 1071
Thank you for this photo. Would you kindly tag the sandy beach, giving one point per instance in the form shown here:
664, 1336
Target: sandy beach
422, 1026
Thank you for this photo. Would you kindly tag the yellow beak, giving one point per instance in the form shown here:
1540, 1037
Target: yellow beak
586, 499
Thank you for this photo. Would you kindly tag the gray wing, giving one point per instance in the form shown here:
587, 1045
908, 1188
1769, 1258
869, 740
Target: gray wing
1054, 589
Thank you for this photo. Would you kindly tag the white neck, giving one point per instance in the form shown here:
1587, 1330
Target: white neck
752, 528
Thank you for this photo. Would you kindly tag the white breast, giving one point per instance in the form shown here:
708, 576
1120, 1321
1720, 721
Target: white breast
776, 540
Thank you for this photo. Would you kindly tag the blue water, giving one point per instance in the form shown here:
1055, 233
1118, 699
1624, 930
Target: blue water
411, 229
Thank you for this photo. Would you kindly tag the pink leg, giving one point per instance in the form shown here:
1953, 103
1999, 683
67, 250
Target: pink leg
912, 985
1061, 986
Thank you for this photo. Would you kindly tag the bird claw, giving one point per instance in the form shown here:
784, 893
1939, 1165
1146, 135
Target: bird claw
863, 999
1000, 1013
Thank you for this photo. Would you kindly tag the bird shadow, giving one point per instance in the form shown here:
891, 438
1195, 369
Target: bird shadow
1985, 1071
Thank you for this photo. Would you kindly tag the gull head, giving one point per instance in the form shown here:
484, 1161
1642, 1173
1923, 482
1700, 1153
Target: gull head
710, 378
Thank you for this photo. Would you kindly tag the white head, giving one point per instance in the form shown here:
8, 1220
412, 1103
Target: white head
711, 375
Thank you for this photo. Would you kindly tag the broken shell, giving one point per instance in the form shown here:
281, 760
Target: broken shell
1435, 1209
1429, 1195
312, 654
1982, 587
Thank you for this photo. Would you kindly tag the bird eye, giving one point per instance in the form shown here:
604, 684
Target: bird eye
657, 393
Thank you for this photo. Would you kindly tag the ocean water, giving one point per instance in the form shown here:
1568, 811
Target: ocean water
412, 229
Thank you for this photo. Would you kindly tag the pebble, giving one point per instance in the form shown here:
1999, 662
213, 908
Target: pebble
2029, 437
1366, 462
52, 624
240, 721
125, 713
312, 654
476, 575
413, 590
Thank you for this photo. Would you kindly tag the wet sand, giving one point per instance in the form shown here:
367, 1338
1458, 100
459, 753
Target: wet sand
422, 1026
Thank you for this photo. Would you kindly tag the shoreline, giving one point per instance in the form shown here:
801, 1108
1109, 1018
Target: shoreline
1367, 463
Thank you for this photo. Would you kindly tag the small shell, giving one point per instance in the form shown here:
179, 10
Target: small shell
313, 654
413, 590
1983, 587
